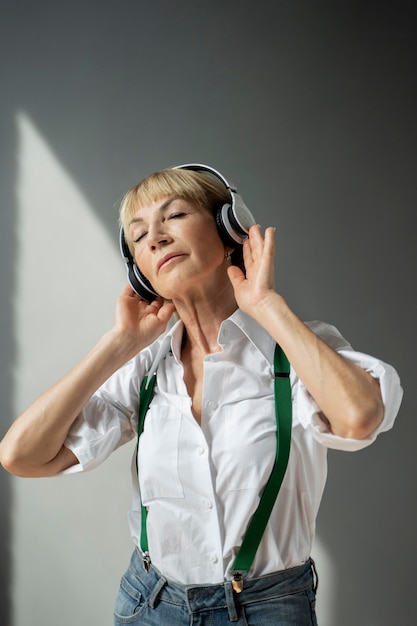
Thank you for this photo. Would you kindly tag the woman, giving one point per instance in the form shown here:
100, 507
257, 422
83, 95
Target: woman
209, 438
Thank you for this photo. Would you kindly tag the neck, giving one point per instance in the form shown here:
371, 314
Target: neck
202, 316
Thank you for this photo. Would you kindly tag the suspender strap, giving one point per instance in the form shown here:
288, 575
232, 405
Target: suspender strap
257, 525
146, 393
283, 415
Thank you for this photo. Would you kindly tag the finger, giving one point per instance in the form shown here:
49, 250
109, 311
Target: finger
247, 254
253, 248
166, 311
129, 294
256, 240
127, 291
154, 306
236, 276
269, 245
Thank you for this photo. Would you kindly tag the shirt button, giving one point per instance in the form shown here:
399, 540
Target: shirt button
200, 450
213, 558
209, 505
212, 405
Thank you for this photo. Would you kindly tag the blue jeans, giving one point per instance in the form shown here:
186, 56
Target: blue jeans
285, 598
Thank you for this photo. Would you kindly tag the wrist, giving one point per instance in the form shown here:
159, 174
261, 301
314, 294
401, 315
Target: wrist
272, 304
276, 317
123, 346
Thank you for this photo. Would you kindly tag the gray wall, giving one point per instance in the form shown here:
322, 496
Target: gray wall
310, 107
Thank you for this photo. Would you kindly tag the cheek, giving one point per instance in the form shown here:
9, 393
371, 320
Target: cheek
208, 240
142, 261
212, 248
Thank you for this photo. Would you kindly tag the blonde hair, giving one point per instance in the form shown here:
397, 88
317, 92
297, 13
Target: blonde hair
199, 187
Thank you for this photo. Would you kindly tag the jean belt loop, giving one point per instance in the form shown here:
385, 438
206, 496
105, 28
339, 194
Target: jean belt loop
315, 575
230, 599
156, 591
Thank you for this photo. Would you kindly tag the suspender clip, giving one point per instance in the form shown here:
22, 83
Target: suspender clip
146, 559
237, 582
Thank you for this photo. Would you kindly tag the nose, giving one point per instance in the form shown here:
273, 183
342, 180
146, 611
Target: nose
157, 236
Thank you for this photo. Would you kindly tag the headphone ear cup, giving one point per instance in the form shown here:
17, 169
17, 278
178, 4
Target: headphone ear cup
233, 222
224, 228
139, 283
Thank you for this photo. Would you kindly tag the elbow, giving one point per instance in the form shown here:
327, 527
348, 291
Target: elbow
364, 420
362, 414
7, 460
10, 461
17, 464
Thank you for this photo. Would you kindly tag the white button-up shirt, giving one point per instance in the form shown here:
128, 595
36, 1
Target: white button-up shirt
202, 484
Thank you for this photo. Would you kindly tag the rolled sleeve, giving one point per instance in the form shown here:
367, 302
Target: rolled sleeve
310, 416
101, 428
109, 419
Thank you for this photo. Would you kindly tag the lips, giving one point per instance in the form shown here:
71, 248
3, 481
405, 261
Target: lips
166, 258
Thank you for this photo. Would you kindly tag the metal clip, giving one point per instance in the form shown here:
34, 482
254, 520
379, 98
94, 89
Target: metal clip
146, 559
237, 582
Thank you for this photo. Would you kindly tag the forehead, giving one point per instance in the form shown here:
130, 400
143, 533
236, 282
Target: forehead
197, 187
160, 205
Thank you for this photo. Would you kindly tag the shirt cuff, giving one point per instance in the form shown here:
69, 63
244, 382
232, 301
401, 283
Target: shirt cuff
91, 453
391, 391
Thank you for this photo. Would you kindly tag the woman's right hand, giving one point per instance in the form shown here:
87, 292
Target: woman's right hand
139, 322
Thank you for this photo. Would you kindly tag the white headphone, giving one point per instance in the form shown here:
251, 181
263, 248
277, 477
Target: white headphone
233, 222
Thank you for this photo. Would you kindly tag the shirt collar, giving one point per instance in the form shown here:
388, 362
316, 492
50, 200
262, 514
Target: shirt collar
239, 320
253, 331
170, 340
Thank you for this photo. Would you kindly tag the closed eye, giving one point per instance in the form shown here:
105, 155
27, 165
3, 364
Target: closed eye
175, 215
139, 237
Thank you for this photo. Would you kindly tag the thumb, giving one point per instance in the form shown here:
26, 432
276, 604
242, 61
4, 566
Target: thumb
165, 312
236, 276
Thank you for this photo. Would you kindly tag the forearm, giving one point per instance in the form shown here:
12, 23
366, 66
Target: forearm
33, 445
347, 395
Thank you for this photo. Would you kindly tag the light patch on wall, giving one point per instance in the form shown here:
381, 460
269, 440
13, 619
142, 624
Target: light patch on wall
326, 590
70, 536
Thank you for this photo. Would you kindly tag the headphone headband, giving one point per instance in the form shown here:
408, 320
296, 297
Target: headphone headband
200, 167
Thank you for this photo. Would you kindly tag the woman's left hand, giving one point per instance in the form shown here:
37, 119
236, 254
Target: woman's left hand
253, 291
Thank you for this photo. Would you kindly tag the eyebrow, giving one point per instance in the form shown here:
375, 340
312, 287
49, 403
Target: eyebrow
162, 208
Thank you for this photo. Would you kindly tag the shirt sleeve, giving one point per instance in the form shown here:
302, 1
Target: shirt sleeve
308, 411
108, 420
110, 417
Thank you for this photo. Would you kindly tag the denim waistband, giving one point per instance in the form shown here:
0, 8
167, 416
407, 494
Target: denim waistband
202, 597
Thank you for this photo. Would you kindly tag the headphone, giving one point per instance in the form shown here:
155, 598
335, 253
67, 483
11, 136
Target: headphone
233, 222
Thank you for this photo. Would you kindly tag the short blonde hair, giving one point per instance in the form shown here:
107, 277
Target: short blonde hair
199, 187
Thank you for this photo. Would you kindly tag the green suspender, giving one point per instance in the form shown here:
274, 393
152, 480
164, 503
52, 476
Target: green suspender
145, 397
257, 525
283, 416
